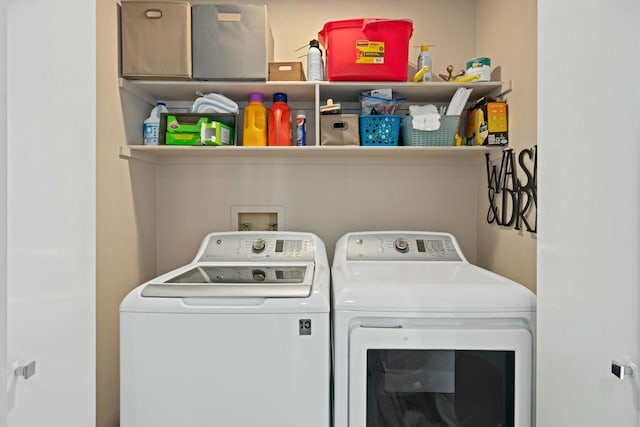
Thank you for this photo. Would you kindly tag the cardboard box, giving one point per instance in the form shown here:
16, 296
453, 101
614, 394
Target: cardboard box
231, 42
286, 71
198, 128
488, 123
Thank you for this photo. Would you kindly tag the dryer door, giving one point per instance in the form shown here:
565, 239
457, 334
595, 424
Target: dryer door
441, 377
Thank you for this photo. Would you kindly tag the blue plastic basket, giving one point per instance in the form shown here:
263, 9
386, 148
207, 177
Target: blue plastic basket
379, 130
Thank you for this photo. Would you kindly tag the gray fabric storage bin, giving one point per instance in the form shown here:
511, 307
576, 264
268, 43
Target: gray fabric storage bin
156, 40
231, 42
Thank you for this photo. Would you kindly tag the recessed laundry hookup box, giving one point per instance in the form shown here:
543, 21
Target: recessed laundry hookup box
231, 42
156, 40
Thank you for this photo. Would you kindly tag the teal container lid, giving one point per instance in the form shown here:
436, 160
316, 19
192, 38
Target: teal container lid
475, 61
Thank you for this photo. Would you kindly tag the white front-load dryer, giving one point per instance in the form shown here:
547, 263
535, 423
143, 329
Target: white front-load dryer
424, 338
239, 337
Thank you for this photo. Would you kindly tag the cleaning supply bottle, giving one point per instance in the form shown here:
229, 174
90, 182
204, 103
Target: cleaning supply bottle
151, 127
279, 121
301, 129
424, 59
255, 122
315, 64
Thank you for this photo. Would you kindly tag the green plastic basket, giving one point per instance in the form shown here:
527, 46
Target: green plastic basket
441, 137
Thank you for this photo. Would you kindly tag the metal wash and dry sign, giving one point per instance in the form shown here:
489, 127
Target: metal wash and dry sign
512, 190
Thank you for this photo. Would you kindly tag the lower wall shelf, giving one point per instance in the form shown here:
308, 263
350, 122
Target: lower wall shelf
173, 154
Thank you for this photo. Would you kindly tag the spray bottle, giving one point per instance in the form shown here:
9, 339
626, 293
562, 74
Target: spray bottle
424, 60
315, 64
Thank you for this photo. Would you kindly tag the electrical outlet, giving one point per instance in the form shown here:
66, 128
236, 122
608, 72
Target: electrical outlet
257, 218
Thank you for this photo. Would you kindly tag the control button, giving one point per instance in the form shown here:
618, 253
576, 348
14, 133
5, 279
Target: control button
401, 245
259, 275
258, 245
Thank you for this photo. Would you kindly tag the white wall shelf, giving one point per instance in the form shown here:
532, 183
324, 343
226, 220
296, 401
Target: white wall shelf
153, 90
302, 95
174, 154
414, 92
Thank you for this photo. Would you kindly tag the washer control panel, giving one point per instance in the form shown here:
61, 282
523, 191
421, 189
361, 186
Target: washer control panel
402, 247
251, 246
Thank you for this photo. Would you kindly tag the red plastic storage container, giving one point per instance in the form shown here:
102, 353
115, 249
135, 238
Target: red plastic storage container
370, 49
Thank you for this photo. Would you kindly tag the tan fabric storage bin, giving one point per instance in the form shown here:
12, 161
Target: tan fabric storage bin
156, 40
339, 129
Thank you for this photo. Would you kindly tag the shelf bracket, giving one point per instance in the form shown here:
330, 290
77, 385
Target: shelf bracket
125, 153
124, 84
507, 90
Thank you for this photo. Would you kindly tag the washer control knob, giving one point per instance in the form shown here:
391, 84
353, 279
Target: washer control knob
259, 275
401, 245
258, 245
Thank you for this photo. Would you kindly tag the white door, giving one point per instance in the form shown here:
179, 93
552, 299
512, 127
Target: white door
49, 262
438, 376
3, 212
589, 234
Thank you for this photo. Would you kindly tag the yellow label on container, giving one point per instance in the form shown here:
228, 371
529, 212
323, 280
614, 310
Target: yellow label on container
497, 117
368, 52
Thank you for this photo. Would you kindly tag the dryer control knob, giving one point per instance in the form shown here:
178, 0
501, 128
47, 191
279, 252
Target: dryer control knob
258, 245
401, 245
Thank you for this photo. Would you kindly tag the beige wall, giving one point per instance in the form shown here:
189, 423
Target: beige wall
449, 25
327, 197
512, 44
125, 224
152, 218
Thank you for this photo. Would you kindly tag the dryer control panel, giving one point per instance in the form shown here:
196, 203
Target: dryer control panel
402, 247
246, 246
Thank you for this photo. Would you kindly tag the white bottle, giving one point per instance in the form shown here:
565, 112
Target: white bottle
151, 128
424, 58
315, 64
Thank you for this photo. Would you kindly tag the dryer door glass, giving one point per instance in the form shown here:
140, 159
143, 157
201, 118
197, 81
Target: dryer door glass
440, 377
440, 388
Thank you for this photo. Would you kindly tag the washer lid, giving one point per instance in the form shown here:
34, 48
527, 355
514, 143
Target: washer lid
425, 287
268, 280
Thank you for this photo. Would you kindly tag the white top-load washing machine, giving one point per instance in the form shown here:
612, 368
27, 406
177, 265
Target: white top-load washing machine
424, 338
240, 337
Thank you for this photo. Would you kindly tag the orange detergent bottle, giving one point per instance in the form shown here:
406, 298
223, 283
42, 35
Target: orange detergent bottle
254, 131
279, 121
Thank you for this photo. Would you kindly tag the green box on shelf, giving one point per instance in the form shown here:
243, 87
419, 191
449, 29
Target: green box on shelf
216, 133
189, 128
183, 139
185, 124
